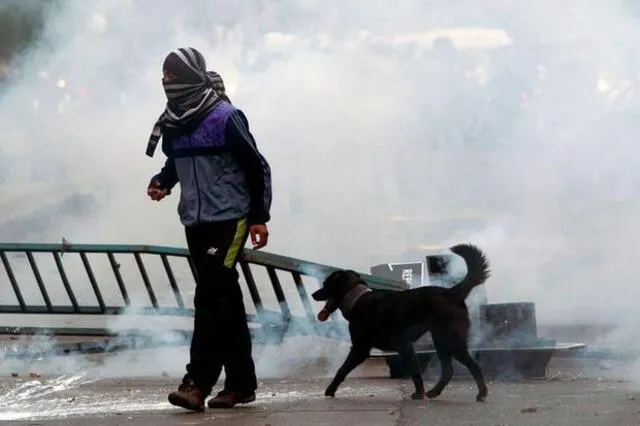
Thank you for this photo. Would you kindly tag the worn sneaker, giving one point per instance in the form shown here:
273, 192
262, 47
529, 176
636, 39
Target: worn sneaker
187, 396
227, 399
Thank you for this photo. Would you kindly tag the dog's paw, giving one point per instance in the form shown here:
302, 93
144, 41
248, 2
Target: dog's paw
433, 393
417, 395
331, 393
481, 397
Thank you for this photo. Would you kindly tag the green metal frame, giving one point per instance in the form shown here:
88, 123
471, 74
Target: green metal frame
278, 323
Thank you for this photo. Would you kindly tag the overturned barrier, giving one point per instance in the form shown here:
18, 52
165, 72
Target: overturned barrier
103, 300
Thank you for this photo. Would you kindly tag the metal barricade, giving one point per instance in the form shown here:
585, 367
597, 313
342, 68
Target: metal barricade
162, 291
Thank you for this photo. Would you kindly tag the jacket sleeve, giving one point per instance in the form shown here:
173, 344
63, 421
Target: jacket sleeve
167, 177
256, 169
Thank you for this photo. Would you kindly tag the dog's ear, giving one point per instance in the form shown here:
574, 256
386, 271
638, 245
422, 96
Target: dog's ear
353, 273
335, 275
328, 284
354, 277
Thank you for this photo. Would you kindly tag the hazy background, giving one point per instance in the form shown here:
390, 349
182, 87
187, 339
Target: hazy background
390, 127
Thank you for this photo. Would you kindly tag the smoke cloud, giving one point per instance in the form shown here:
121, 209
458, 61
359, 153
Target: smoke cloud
388, 129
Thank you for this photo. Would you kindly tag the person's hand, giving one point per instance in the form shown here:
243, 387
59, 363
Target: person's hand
259, 236
155, 192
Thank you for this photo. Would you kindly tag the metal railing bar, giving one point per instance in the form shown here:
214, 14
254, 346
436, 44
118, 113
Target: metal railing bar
253, 288
172, 281
257, 257
12, 280
277, 288
36, 274
82, 331
65, 280
92, 280
115, 266
304, 297
95, 310
145, 279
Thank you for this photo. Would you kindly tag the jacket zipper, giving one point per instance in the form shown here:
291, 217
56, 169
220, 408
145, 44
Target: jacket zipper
195, 177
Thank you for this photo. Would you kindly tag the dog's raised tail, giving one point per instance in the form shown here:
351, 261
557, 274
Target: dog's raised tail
477, 269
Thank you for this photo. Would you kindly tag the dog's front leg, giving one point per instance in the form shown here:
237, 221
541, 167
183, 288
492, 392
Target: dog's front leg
357, 355
409, 359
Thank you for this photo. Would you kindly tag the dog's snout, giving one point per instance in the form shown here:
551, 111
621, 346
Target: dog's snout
320, 295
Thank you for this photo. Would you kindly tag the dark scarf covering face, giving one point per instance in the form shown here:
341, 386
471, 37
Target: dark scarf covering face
191, 94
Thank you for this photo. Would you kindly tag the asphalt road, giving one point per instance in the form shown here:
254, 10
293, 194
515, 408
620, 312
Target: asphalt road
567, 397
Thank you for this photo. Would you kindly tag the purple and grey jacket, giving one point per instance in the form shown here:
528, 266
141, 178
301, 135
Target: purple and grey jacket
222, 174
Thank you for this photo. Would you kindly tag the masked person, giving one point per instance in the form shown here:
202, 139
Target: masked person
225, 196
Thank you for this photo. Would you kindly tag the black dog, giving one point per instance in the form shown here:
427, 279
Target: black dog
392, 320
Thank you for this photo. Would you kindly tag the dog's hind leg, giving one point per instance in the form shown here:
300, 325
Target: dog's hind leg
462, 355
357, 355
446, 365
409, 358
